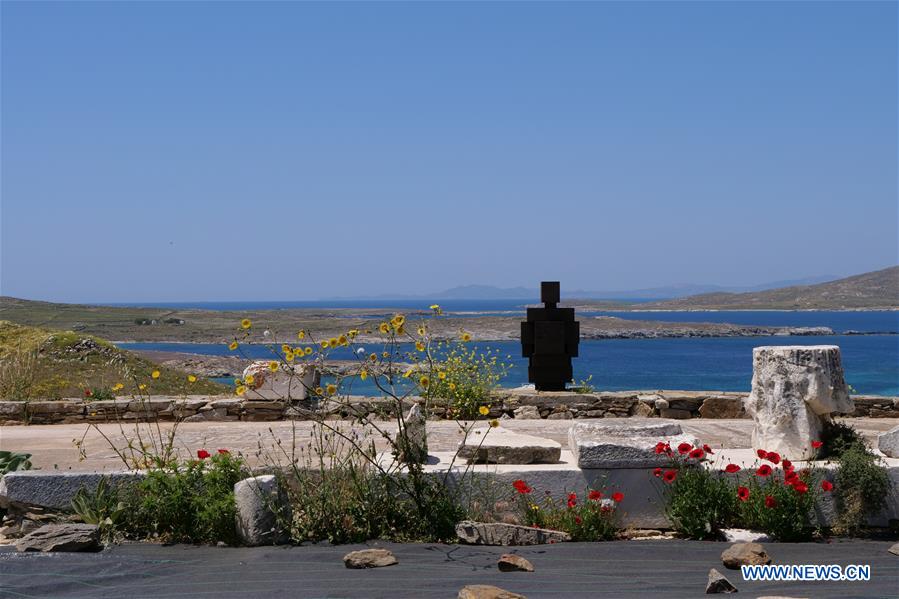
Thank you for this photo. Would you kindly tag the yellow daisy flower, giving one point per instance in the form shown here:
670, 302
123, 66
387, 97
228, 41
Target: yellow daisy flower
441, 375
342, 340
285, 348
273, 366
118, 386
408, 373
331, 388
421, 331
333, 342
494, 423
241, 390
319, 391
324, 344
250, 379
401, 330
245, 323
435, 307
384, 327
363, 375
424, 381
373, 357
301, 335
397, 321
232, 346
419, 346
452, 386
483, 410
191, 378
142, 386
288, 355
155, 374
466, 337
352, 333
308, 351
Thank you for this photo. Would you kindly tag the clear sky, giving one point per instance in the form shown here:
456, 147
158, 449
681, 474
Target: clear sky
228, 151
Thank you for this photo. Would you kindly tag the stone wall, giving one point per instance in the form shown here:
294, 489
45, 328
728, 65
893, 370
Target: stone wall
522, 404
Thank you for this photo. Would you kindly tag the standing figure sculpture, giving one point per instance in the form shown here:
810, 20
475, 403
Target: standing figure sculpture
549, 339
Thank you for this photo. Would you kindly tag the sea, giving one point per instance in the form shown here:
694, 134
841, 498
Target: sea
869, 341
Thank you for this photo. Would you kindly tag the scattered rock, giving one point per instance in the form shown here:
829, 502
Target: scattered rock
794, 390
894, 549
566, 415
888, 442
61, 537
675, 414
497, 533
741, 535
260, 507
660, 404
718, 583
623, 444
486, 591
509, 562
369, 558
642, 410
744, 554
719, 406
527, 413
502, 446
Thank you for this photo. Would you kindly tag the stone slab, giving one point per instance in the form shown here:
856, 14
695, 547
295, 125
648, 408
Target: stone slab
55, 490
623, 445
888, 443
502, 446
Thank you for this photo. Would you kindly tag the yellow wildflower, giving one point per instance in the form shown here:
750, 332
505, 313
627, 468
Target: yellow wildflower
118, 386
397, 321
232, 346
273, 366
331, 388
483, 410
494, 423
308, 351
352, 333
191, 378
142, 386
408, 373
419, 346
241, 390
424, 381
333, 342
363, 374
466, 337
452, 386
245, 323
435, 307
373, 357
422, 331
401, 330
250, 379
384, 327
319, 391
441, 375
288, 355
342, 340
385, 355
301, 335
324, 344
155, 374
236, 382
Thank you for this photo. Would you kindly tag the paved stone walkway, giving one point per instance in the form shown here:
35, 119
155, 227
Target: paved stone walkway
52, 445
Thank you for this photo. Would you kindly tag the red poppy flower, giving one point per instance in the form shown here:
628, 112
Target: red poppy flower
817, 444
787, 465
791, 478
697, 454
743, 493
770, 501
731, 468
578, 520
761, 453
800, 487
594, 495
522, 487
203, 454
657, 472
224, 451
684, 448
764, 470
707, 449
669, 476
572, 500
826, 485
88, 393
773, 457
617, 497
662, 447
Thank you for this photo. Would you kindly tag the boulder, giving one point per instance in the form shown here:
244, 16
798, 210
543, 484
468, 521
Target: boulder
744, 554
413, 445
741, 535
497, 533
261, 508
487, 591
642, 410
289, 382
527, 413
61, 537
894, 549
369, 558
501, 446
718, 583
888, 442
55, 490
719, 406
795, 390
509, 562
623, 444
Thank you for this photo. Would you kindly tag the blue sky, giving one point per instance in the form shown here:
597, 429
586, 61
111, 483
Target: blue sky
229, 151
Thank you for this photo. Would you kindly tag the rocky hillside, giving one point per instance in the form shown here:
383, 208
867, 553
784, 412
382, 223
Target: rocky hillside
38, 363
872, 290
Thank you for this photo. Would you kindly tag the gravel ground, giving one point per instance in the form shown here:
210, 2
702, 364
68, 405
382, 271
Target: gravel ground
657, 569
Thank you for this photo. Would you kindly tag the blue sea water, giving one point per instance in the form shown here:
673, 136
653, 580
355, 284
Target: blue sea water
871, 362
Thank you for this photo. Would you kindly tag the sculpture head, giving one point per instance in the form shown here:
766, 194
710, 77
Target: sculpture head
550, 293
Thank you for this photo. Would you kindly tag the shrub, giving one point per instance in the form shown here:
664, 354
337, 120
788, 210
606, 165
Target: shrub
101, 507
699, 503
189, 502
18, 375
466, 376
863, 486
587, 518
10, 461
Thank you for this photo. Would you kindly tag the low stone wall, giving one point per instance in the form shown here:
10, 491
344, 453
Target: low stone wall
507, 403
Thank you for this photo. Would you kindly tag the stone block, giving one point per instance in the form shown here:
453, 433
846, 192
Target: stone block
288, 383
496, 533
719, 406
618, 445
55, 490
888, 442
61, 537
261, 508
502, 446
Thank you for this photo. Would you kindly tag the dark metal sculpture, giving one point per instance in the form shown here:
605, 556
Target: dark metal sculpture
549, 340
